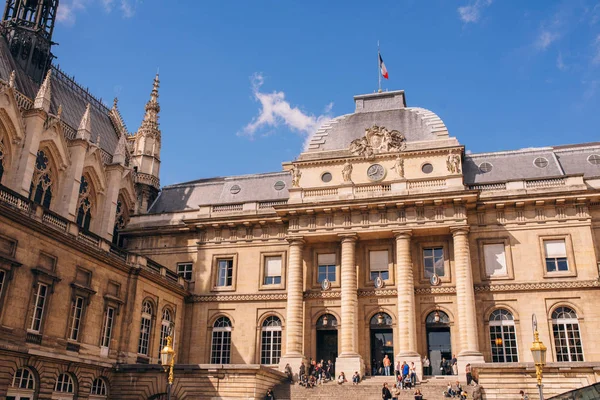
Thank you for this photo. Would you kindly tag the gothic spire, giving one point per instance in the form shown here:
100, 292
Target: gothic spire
85, 132
42, 99
150, 122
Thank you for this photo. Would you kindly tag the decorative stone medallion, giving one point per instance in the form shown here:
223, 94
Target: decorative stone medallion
379, 283
434, 280
326, 284
375, 172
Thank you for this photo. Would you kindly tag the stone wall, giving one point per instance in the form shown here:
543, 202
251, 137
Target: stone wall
195, 382
504, 381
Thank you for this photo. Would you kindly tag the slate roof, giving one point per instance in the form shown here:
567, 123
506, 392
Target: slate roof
67, 92
519, 164
192, 195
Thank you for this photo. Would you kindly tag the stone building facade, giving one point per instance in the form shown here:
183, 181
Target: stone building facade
384, 237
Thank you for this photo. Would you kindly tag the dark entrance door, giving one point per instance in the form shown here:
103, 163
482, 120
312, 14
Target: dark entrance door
439, 345
327, 338
382, 343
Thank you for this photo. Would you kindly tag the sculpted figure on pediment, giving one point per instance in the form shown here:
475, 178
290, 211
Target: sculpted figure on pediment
347, 172
378, 140
296, 174
453, 163
399, 166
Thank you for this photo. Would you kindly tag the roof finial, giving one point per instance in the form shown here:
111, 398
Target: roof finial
150, 121
115, 101
154, 94
42, 99
84, 132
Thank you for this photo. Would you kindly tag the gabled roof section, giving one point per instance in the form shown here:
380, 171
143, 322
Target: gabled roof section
68, 93
216, 191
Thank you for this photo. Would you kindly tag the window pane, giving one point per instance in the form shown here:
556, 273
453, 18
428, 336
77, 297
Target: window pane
495, 259
555, 248
562, 264
550, 264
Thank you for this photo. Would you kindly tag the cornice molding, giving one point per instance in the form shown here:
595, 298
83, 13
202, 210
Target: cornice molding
235, 297
509, 287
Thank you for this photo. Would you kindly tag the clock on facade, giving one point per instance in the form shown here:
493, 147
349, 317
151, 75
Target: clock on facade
376, 172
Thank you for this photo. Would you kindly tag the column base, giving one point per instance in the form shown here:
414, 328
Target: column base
468, 357
349, 364
294, 360
411, 358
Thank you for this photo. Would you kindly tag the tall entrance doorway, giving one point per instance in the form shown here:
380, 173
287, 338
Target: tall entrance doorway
327, 338
439, 345
382, 343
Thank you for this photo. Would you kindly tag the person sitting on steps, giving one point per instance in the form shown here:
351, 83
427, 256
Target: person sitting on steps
341, 378
418, 395
355, 378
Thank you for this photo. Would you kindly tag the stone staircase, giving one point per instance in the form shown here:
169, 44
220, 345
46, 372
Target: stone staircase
368, 389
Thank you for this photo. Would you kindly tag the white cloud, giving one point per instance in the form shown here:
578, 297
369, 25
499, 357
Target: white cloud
68, 9
472, 12
545, 39
276, 111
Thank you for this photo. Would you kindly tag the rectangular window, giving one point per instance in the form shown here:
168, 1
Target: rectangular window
433, 261
76, 312
107, 326
225, 273
273, 270
495, 259
326, 268
185, 270
556, 255
39, 303
144, 335
379, 264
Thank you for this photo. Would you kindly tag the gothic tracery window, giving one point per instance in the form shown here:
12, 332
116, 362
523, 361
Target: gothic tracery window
41, 184
84, 205
120, 221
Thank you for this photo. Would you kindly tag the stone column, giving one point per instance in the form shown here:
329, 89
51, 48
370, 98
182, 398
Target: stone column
407, 326
465, 301
349, 360
295, 307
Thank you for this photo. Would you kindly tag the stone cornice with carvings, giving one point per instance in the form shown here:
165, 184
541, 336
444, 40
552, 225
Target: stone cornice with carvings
551, 285
218, 298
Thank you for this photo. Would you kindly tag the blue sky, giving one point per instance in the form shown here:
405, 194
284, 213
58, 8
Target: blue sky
244, 83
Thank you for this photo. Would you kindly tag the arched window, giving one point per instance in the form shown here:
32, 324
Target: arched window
84, 205
437, 318
99, 389
23, 385
221, 341
166, 328
41, 183
381, 320
327, 321
567, 340
503, 337
145, 328
270, 352
64, 387
2, 157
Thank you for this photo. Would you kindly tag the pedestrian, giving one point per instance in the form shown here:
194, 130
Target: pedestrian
523, 395
397, 369
454, 364
385, 392
373, 367
395, 392
443, 366
387, 363
405, 370
413, 374
301, 373
288, 372
470, 378
426, 366
269, 395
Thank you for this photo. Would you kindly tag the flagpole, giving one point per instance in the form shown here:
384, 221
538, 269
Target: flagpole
378, 67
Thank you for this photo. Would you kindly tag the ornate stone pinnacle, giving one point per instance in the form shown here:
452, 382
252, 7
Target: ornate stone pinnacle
11, 80
85, 126
115, 101
43, 97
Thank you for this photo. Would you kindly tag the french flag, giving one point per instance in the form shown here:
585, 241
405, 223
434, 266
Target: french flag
384, 71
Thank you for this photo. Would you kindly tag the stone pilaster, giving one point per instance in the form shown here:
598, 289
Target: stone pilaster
295, 307
349, 360
407, 327
465, 301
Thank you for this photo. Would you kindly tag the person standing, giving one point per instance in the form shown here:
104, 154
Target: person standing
426, 366
385, 392
387, 363
454, 364
443, 364
397, 369
405, 370
413, 374
395, 392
